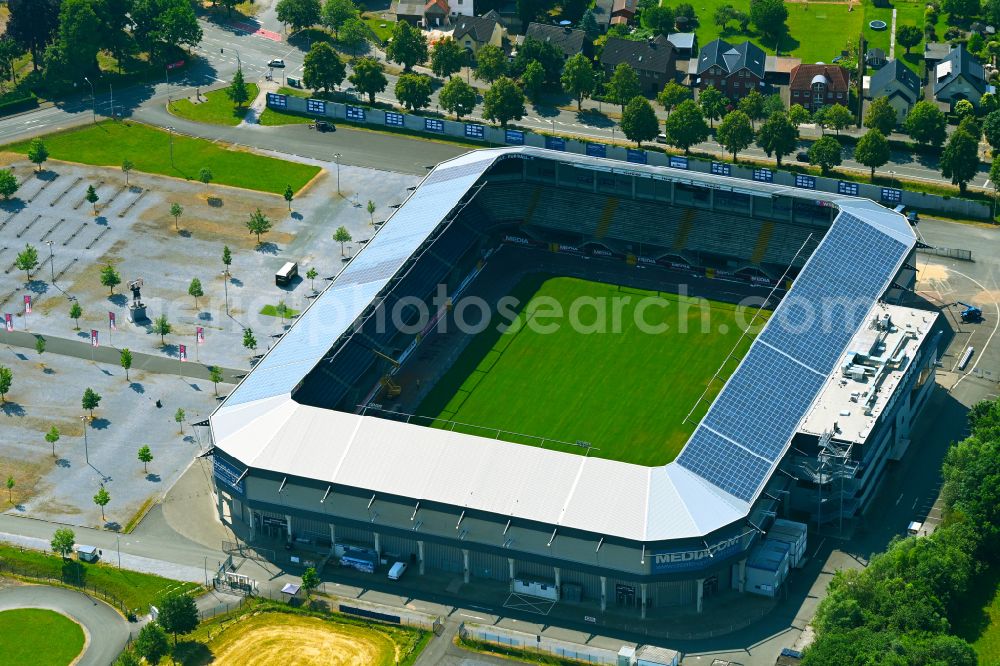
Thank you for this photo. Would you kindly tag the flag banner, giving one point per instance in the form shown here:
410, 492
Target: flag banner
8, 320
93, 338
200, 335
182, 352
111, 321
27, 304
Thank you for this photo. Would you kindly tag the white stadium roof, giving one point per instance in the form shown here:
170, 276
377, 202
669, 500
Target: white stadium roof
713, 482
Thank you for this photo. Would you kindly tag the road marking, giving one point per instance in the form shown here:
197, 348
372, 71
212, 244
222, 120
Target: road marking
899, 499
474, 617
996, 324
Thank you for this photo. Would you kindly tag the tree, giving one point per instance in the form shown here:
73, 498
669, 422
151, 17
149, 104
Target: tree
311, 275
342, 235
322, 68
336, 13
162, 327
908, 36
6, 379
960, 159
408, 46
639, 121
205, 175
195, 290
127, 167
227, 258
125, 358
798, 114
32, 25
151, 644
162, 25
769, 16
129, 657
310, 580
825, 153
237, 91
712, 103
578, 78
672, 94
991, 127
961, 8
881, 116
413, 91
75, 312
27, 260
8, 184
777, 135
545, 53
37, 152
52, 436
503, 102
179, 418
354, 33
753, 106
92, 197
491, 63
91, 399
659, 19
110, 278
145, 457
533, 80
298, 14
215, 372
178, 615
686, 126
735, 132
101, 499
839, 117
872, 150
63, 540
457, 97
368, 77
258, 223
370, 207
249, 341
588, 23
926, 124
447, 57
73, 53
176, 210
40, 345
623, 86
10, 488
995, 179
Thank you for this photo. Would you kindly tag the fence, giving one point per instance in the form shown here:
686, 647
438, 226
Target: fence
9, 568
950, 252
533, 643
481, 132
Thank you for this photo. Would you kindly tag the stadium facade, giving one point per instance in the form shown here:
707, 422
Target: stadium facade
803, 426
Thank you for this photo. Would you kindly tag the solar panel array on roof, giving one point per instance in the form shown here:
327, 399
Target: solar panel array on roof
724, 464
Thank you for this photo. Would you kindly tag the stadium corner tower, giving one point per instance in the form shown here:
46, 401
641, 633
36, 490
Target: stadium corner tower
314, 456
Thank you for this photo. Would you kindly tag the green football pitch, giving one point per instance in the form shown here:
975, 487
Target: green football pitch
623, 388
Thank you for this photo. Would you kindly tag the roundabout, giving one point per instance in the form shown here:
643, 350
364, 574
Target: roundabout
53, 626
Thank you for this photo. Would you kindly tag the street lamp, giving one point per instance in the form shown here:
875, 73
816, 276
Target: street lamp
93, 98
225, 285
86, 446
239, 64
111, 95
52, 266
337, 159
170, 130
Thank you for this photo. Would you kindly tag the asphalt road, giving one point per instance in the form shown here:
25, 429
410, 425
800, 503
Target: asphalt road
106, 630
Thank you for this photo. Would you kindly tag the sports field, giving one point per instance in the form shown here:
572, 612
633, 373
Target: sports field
39, 636
622, 383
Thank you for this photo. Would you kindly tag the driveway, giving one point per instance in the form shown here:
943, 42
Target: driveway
107, 631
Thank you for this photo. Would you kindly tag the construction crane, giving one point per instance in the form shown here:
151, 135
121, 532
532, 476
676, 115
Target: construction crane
971, 313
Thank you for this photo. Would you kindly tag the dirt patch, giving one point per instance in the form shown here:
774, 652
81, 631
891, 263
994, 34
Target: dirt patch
57, 508
273, 638
932, 272
217, 216
27, 473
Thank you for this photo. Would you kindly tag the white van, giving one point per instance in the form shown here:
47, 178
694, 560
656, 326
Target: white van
397, 570
287, 273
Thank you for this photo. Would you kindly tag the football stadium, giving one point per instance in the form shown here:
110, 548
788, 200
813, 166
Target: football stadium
568, 379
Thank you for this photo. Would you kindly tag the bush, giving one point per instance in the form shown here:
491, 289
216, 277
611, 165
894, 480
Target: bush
17, 103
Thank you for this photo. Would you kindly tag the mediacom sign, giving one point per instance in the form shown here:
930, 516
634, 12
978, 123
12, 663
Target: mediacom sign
696, 559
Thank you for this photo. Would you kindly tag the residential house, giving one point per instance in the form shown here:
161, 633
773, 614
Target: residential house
568, 41
602, 13
684, 43
875, 58
623, 11
475, 32
816, 86
778, 69
436, 13
935, 52
411, 11
899, 85
959, 76
462, 8
734, 70
654, 60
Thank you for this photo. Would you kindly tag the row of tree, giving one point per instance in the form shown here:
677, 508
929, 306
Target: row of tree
901, 609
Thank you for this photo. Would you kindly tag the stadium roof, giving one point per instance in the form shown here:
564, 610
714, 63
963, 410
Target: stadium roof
717, 476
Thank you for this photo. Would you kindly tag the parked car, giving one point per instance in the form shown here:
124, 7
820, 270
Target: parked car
276, 62
324, 126
802, 156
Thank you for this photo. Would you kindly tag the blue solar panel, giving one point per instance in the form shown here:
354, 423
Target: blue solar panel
764, 401
724, 464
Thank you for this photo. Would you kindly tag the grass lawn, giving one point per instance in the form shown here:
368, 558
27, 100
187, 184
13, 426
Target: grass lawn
264, 633
570, 384
217, 109
135, 590
109, 142
39, 637
978, 617
375, 22
272, 311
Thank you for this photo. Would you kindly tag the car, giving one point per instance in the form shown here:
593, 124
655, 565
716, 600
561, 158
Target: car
661, 138
802, 156
276, 62
323, 126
